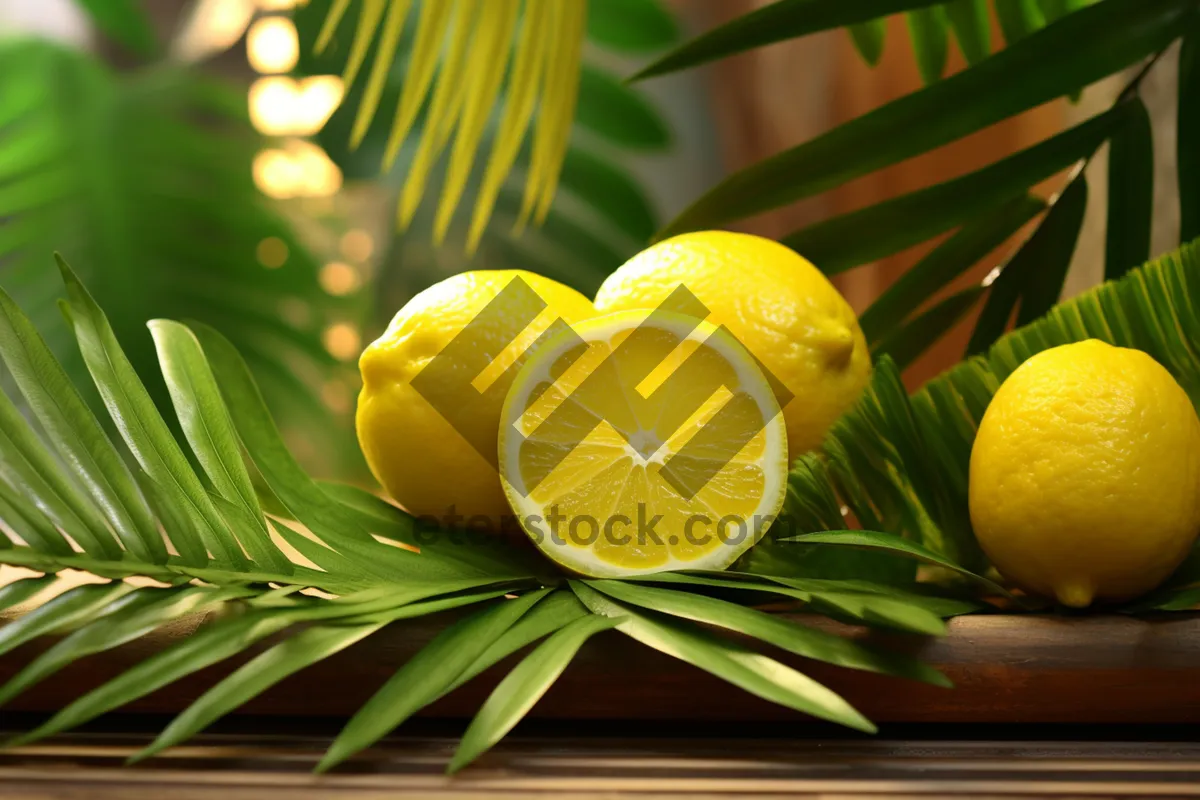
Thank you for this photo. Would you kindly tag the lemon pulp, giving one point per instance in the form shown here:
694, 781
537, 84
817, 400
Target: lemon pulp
633, 445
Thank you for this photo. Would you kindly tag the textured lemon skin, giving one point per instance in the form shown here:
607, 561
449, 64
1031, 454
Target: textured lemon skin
1085, 474
423, 461
775, 302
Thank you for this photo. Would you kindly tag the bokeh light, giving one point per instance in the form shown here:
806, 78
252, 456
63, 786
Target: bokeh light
280, 105
339, 279
272, 252
298, 169
342, 341
214, 26
357, 245
272, 45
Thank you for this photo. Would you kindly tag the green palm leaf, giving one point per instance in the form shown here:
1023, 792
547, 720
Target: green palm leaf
972, 28
374, 585
901, 441
1032, 279
777, 22
524, 686
423, 679
124, 22
1071, 53
928, 28
794, 638
144, 179
744, 668
1188, 131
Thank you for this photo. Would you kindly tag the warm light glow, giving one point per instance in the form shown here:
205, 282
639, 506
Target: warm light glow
272, 252
280, 5
272, 105
300, 169
337, 396
215, 25
275, 174
357, 245
281, 106
318, 97
342, 341
339, 279
272, 45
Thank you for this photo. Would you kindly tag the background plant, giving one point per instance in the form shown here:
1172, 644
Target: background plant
144, 178
573, 213
1053, 48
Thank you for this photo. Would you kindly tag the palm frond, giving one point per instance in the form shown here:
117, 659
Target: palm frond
186, 513
928, 22
1053, 48
124, 22
480, 76
145, 180
900, 463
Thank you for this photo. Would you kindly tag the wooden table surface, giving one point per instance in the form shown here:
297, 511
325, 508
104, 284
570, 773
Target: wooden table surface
1006, 669
277, 767
625, 721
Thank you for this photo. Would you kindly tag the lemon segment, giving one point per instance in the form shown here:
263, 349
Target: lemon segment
633, 445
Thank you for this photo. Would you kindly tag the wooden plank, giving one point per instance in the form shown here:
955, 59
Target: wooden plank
279, 768
1018, 669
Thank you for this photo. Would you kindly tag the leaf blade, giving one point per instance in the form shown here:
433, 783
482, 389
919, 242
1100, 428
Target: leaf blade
890, 542
927, 28
784, 19
425, 676
1188, 131
869, 39
1034, 275
76, 433
124, 22
795, 638
907, 343
140, 424
633, 26
738, 665
1054, 61
945, 263
523, 687
209, 431
972, 27
835, 244
208, 646
1130, 193
286, 658
618, 113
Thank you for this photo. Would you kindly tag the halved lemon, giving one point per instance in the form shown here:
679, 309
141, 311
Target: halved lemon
640, 442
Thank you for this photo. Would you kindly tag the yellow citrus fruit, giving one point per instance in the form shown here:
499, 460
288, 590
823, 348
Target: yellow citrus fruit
1085, 474
775, 302
432, 443
637, 444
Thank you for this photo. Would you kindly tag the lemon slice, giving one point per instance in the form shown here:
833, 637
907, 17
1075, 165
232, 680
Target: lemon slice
640, 442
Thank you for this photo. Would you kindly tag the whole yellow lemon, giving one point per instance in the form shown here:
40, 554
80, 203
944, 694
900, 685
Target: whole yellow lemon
434, 384
781, 308
1085, 474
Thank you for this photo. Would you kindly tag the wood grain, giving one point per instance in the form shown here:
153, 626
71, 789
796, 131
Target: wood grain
279, 768
1007, 669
